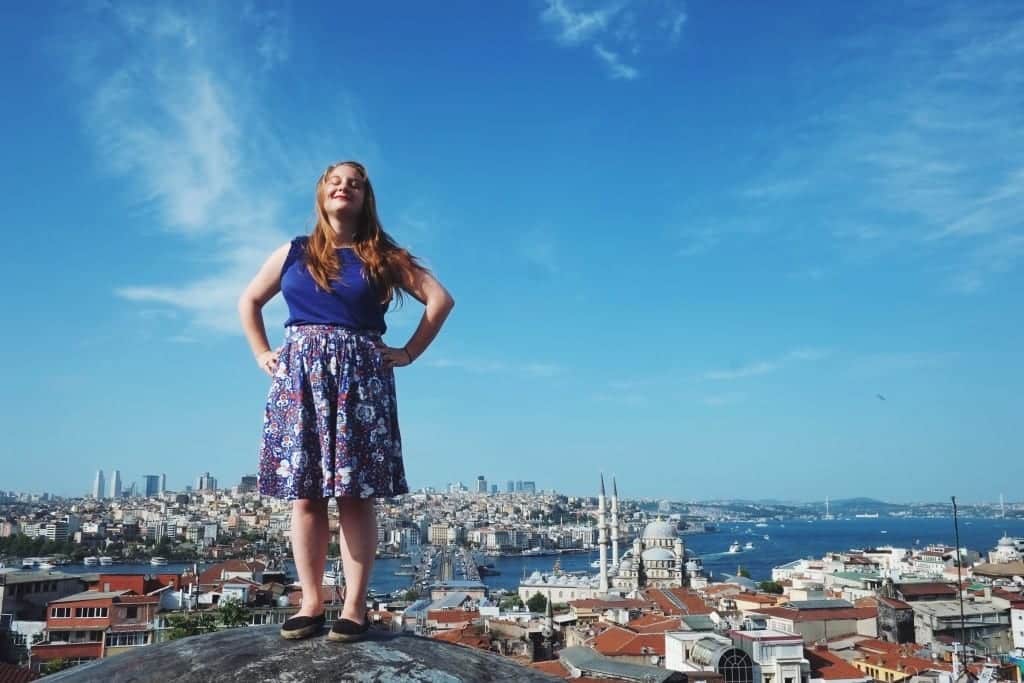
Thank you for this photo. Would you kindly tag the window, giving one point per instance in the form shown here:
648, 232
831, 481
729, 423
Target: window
130, 639
61, 613
736, 667
91, 612
131, 612
789, 679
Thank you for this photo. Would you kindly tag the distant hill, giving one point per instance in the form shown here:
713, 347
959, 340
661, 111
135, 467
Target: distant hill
858, 505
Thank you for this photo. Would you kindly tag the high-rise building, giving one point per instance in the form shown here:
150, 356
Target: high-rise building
529, 487
481, 484
510, 486
205, 482
494, 489
248, 483
152, 485
519, 486
97, 486
163, 483
115, 484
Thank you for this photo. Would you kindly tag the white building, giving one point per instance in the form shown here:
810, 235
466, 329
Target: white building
1007, 550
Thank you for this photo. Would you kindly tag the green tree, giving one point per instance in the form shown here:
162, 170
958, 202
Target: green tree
771, 587
412, 594
232, 613
511, 601
54, 665
538, 603
185, 624
743, 572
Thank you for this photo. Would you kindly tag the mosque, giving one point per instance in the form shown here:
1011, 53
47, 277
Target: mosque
658, 559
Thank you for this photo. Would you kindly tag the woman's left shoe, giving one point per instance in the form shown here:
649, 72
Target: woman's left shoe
347, 631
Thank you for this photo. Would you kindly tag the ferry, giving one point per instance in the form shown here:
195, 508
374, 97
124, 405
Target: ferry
91, 561
106, 561
748, 546
734, 548
158, 561
867, 515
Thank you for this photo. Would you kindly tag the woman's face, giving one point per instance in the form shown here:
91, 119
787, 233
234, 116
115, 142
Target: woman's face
344, 191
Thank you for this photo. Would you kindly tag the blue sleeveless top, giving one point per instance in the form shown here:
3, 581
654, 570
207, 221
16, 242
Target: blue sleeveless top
353, 302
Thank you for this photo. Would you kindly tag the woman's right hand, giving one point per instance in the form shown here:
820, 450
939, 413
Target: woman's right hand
268, 361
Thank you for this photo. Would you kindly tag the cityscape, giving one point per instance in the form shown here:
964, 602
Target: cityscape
608, 585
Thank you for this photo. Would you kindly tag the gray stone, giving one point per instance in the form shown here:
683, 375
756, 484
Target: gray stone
257, 654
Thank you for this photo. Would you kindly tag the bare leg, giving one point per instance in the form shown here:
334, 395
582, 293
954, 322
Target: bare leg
310, 535
358, 539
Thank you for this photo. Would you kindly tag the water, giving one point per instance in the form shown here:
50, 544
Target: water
787, 541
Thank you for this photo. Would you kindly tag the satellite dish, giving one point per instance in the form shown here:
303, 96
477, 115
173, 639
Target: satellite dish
654, 659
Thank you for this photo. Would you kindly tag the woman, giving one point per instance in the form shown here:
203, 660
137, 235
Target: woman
331, 426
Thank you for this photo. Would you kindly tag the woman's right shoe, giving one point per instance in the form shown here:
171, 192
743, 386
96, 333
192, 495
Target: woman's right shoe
302, 627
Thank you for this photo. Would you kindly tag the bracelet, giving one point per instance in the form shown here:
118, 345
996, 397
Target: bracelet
407, 354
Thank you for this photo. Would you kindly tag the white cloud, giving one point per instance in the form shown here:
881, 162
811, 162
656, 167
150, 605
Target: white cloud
924, 150
488, 367
175, 109
765, 367
615, 66
613, 28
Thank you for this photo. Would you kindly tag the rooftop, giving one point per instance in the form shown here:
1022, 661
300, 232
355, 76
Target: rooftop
258, 653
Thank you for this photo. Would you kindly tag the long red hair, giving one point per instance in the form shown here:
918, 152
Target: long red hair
387, 265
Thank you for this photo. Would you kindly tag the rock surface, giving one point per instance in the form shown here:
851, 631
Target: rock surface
258, 654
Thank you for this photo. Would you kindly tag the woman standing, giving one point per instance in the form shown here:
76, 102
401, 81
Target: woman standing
331, 424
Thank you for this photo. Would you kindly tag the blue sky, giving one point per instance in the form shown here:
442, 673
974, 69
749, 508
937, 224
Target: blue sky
689, 242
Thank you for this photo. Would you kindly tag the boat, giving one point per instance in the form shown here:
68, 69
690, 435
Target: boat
748, 546
106, 561
158, 561
489, 571
405, 572
735, 547
91, 561
766, 537
761, 524
867, 515
45, 565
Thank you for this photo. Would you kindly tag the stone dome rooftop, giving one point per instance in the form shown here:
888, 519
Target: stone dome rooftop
658, 555
660, 529
258, 653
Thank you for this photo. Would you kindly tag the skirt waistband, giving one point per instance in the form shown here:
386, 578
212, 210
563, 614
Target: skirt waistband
292, 331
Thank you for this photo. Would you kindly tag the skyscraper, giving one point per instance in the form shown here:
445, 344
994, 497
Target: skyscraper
510, 486
529, 487
248, 483
152, 485
481, 484
97, 486
163, 483
205, 482
115, 484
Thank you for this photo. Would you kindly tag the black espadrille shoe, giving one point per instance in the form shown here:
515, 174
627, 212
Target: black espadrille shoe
347, 631
302, 627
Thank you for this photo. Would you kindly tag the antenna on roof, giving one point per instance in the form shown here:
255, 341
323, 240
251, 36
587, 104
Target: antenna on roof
960, 588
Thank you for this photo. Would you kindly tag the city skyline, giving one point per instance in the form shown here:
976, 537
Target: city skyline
732, 262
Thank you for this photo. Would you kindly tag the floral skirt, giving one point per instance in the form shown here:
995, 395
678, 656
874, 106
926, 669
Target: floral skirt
331, 422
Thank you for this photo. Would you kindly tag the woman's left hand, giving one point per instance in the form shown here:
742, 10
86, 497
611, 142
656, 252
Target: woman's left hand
391, 357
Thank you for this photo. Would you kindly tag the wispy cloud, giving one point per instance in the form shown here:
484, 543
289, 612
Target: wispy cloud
615, 28
765, 367
719, 400
488, 367
171, 101
615, 66
923, 152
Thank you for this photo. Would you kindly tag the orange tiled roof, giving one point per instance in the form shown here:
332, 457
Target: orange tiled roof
831, 667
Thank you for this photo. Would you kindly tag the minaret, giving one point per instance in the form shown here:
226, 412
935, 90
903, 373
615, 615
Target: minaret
602, 539
615, 525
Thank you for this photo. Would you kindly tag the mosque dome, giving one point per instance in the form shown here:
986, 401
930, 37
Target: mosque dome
658, 555
659, 529
1006, 542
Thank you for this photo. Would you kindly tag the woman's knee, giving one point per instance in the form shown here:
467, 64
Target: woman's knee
309, 506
